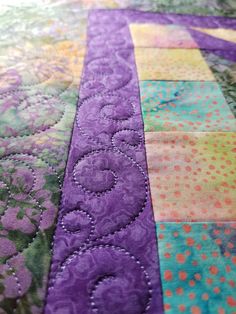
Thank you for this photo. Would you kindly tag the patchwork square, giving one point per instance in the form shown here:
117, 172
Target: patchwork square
185, 106
192, 175
161, 36
172, 65
198, 267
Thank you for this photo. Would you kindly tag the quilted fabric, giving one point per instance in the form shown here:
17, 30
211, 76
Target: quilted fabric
185, 106
106, 187
117, 157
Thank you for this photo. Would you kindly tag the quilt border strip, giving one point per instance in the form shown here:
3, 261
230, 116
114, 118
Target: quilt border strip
97, 220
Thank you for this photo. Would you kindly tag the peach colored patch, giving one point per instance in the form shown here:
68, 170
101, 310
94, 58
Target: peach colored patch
213, 168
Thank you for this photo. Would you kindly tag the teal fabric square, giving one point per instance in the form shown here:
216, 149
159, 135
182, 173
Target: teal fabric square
198, 267
185, 106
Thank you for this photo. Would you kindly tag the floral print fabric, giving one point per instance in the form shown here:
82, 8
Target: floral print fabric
38, 94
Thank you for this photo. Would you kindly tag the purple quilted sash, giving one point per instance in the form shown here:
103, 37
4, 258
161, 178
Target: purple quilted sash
105, 251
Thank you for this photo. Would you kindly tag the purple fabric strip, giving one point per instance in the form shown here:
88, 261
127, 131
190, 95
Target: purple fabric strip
105, 250
187, 20
205, 41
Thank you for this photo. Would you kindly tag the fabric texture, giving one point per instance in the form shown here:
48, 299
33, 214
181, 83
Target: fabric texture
198, 267
106, 221
171, 65
185, 106
190, 143
192, 175
107, 137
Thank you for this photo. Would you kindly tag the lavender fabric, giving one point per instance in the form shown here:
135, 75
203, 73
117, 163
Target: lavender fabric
187, 20
105, 250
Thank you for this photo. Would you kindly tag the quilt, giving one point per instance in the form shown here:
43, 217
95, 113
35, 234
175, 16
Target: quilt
118, 157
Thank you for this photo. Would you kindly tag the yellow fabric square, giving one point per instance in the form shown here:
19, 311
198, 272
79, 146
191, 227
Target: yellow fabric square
172, 64
161, 36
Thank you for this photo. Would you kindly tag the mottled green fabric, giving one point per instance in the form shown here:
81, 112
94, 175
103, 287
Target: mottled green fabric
40, 66
201, 7
225, 73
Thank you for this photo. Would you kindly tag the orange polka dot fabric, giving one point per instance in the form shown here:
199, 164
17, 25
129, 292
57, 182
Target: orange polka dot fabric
198, 267
192, 175
172, 65
185, 106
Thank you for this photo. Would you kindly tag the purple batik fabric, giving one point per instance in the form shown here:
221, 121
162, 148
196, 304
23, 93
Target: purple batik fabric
105, 250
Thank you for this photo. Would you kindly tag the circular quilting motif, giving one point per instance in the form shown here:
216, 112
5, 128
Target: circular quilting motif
112, 74
101, 66
23, 114
108, 278
100, 116
21, 178
76, 221
117, 185
74, 230
126, 139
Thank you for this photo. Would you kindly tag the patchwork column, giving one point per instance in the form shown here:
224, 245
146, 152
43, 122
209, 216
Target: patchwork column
191, 153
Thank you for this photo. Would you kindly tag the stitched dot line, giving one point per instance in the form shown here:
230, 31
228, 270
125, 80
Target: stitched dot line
36, 233
83, 102
120, 120
32, 187
83, 245
38, 204
76, 253
19, 288
122, 227
131, 220
96, 194
27, 247
98, 283
115, 149
37, 157
112, 151
39, 130
76, 211
124, 142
